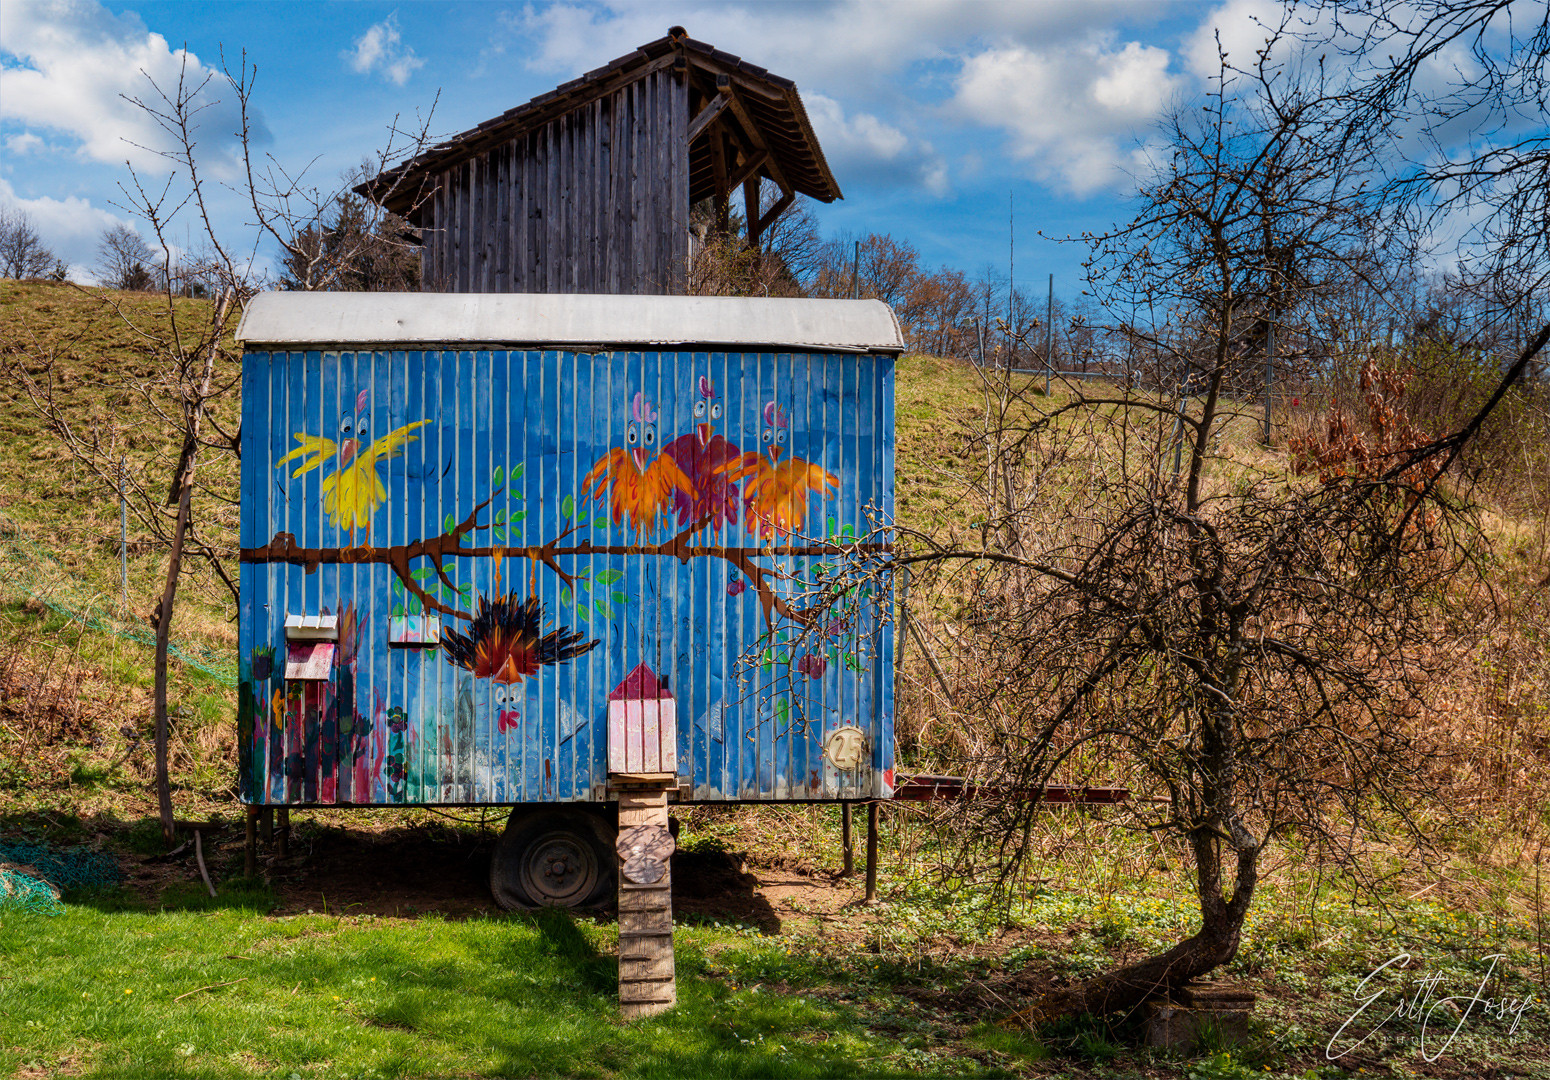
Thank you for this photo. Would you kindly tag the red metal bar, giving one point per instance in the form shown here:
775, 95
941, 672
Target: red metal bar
924, 787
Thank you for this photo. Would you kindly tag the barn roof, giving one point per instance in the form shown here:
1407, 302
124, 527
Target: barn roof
579, 322
760, 99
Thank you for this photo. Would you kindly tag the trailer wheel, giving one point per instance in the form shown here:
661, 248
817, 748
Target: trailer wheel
554, 858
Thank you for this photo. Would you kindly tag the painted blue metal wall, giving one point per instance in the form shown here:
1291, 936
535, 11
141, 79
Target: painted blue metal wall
364, 457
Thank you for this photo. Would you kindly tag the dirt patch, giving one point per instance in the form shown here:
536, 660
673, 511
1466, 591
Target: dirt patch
389, 872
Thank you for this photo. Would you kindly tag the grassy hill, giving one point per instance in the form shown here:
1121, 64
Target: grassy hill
837, 992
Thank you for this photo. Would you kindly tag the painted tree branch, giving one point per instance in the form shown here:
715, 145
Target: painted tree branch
450, 545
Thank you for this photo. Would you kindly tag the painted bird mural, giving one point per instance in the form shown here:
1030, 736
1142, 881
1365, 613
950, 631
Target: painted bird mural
353, 491
775, 492
707, 459
506, 643
637, 489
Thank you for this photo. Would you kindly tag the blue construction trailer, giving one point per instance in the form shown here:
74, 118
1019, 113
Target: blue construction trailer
502, 549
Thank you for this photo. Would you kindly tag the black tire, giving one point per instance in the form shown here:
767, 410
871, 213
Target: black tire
561, 857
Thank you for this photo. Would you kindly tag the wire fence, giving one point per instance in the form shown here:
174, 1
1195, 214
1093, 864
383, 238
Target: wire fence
31, 570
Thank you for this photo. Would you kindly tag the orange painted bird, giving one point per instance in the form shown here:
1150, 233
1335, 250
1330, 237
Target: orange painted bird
775, 492
636, 489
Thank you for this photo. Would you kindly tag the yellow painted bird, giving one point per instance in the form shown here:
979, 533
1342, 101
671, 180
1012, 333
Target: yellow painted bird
353, 491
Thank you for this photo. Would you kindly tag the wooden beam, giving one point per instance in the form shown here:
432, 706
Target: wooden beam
751, 164
757, 143
706, 115
751, 210
786, 198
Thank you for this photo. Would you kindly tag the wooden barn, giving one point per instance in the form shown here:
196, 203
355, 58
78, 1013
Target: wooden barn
587, 189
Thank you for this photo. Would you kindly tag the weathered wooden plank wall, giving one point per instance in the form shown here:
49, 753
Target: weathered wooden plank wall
595, 200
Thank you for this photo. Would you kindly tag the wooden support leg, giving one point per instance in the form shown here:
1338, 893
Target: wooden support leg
871, 853
647, 979
847, 841
266, 826
283, 832
250, 850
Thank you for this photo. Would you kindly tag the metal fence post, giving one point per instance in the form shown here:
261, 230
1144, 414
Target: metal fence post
123, 530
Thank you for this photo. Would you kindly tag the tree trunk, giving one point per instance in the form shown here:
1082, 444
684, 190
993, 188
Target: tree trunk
163, 621
1125, 988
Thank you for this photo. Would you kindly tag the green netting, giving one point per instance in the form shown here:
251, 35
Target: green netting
33, 876
89, 610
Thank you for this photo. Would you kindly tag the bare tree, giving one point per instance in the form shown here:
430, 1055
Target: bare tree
196, 370
1247, 651
1451, 93
124, 260
22, 251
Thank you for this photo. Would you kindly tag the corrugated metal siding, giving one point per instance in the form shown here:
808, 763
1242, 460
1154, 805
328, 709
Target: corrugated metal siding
522, 430
596, 200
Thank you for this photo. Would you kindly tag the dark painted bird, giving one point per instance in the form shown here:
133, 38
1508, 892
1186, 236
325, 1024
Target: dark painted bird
775, 493
637, 489
707, 459
505, 642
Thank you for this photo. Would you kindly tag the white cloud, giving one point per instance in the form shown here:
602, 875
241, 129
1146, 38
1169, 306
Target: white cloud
25, 143
1072, 113
70, 227
381, 49
76, 63
863, 144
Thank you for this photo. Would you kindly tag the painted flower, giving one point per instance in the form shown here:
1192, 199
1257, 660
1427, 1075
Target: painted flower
736, 587
397, 719
395, 769
812, 665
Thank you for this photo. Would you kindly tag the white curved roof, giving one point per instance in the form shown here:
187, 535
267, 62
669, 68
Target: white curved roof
569, 321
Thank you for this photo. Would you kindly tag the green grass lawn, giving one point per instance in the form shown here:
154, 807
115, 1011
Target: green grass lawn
99, 991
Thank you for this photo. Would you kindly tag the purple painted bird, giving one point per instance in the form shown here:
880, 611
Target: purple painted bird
706, 458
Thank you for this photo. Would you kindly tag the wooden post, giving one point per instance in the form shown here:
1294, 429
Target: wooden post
266, 825
847, 841
647, 978
250, 850
871, 853
283, 830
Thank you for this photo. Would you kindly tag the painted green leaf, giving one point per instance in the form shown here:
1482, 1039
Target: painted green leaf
466, 589
450, 594
608, 577
499, 476
620, 597
514, 493
499, 533
500, 517
565, 596
398, 587
783, 711
584, 612
422, 573
852, 663
516, 470
584, 583
398, 610
568, 506
600, 522
449, 523
783, 658
518, 516
415, 606
602, 608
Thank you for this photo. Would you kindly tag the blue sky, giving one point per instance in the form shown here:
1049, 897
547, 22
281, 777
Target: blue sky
931, 114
